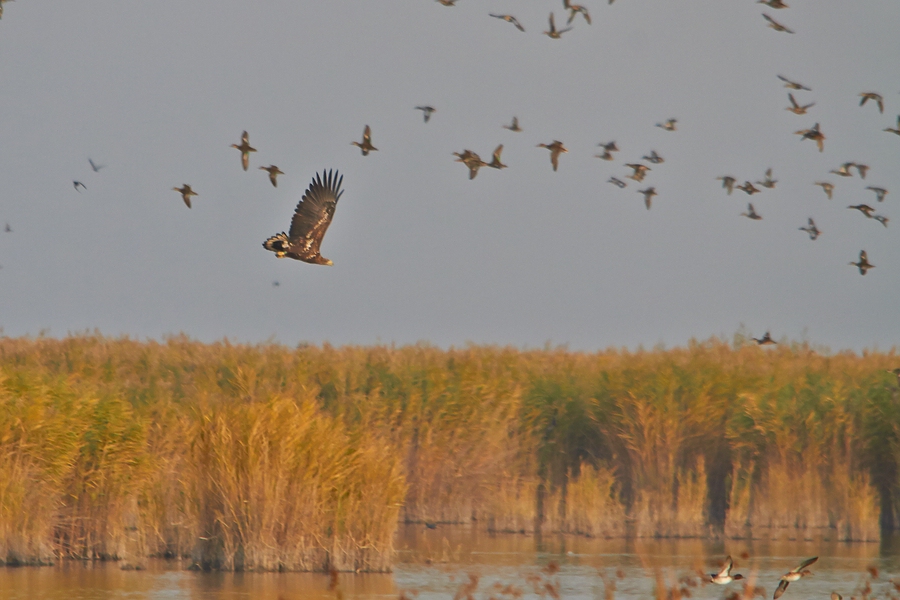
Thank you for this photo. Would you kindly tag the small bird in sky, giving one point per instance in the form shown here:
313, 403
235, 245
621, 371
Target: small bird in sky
863, 265
863, 208
828, 187
764, 340
892, 129
669, 125
426, 112
311, 219
510, 19
727, 182
773, 3
186, 193
607, 155
793, 84
768, 182
245, 149
866, 96
881, 219
553, 32
813, 134
276, 283
861, 169
648, 196
574, 9
617, 182
748, 188
880, 193
751, 213
776, 25
654, 158
800, 570
555, 148
640, 171
844, 170
724, 577
495, 159
608, 149
366, 145
448, 2
78, 183
471, 160
811, 229
796, 108
8, 228
514, 126
95, 166
274, 172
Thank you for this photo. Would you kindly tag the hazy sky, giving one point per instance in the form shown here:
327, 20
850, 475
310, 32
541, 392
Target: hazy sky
157, 91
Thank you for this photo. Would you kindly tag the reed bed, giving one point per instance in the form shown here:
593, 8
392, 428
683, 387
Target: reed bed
264, 457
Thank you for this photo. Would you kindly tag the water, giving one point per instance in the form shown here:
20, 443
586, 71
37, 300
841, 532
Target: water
433, 564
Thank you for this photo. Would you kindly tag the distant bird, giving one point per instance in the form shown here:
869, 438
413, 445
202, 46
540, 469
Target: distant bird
653, 157
426, 112
95, 166
727, 182
866, 96
574, 9
430, 525
751, 213
844, 170
800, 570
724, 577
793, 84
863, 265
880, 193
276, 283
555, 148
796, 108
893, 130
78, 183
863, 208
773, 3
608, 149
510, 19
274, 172
861, 169
607, 155
640, 171
813, 134
186, 193
366, 145
471, 160
828, 187
495, 159
1, 7
669, 125
514, 126
768, 182
448, 2
310, 222
881, 219
811, 229
616, 181
245, 149
8, 228
553, 32
776, 25
764, 340
748, 188
648, 196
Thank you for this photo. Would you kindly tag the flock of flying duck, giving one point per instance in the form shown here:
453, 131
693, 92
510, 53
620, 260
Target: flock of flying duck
724, 577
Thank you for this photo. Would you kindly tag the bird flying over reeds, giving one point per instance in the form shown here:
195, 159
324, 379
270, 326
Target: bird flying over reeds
800, 570
764, 341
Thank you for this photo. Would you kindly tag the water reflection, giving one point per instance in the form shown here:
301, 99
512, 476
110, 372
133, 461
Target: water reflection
434, 564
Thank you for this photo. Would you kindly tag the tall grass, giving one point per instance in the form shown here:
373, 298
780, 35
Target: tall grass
266, 457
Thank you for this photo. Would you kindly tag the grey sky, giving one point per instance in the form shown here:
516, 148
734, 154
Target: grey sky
157, 91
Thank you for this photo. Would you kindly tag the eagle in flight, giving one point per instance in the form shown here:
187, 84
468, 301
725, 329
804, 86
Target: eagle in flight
311, 219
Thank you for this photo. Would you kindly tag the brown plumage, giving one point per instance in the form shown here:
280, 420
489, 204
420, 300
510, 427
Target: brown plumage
555, 149
866, 96
366, 145
245, 149
186, 193
813, 134
863, 265
311, 220
274, 172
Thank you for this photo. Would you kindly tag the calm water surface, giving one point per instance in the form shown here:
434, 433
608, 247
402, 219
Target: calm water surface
435, 564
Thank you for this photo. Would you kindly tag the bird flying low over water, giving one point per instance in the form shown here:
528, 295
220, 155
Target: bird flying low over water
727, 182
574, 9
471, 160
866, 96
510, 19
426, 112
366, 145
800, 570
880, 193
793, 84
553, 32
776, 25
186, 193
669, 125
274, 172
811, 229
764, 340
555, 148
514, 126
245, 149
828, 187
813, 134
751, 213
95, 166
78, 183
311, 219
648, 196
796, 108
863, 265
